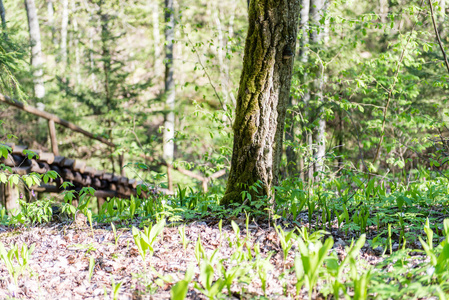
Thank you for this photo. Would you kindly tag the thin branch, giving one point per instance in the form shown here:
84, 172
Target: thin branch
437, 34
208, 76
390, 92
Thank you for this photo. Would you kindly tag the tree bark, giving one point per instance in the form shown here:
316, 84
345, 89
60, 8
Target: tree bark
317, 10
263, 98
12, 195
36, 49
77, 37
64, 25
295, 163
156, 38
169, 124
51, 21
3, 17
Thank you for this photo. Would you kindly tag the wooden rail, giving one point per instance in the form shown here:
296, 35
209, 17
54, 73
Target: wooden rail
52, 118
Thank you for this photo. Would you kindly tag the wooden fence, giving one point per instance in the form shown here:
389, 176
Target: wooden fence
77, 171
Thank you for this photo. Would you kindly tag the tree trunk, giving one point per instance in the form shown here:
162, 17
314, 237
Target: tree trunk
77, 37
36, 49
263, 98
11, 194
64, 25
105, 54
223, 66
51, 21
317, 9
156, 38
93, 78
383, 10
169, 124
295, 163
3, 17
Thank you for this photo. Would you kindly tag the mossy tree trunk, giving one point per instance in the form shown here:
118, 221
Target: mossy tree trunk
263, 97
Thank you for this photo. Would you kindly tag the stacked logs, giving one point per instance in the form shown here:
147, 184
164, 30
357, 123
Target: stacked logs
70, 170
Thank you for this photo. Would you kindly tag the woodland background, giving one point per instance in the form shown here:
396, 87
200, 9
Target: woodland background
104, 68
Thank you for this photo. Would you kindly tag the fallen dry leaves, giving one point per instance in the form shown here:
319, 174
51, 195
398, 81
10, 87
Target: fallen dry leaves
59, 265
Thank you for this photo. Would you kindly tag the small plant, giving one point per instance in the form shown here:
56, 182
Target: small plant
184, 239
263, 267
199, 250
308, 263
146, 239
116, 237
286, 240
38, 211
439, 258
91, 267
22, 257
89, 218
220, 228
180, 289
335, 269
115, 288
208, 287
87, 247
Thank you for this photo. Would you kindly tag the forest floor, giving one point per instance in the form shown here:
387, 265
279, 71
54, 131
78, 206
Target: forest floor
59, 265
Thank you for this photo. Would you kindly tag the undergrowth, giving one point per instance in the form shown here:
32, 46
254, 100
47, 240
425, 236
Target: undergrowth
404, 224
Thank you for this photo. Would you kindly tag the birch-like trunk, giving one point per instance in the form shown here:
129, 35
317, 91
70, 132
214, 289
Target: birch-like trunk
228, 46
383, 10
64, 26
76, 38
36, 49
317, 10
169, 124
93, 78
51, 21
262, 99
221, 64
156, 38
442, 13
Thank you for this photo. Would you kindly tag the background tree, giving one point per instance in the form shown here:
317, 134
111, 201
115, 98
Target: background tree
170, 94
36, 49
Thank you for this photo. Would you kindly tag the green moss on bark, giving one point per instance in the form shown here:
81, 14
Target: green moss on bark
264, 83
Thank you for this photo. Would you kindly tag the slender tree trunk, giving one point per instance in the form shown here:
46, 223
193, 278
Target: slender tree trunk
263, 98
228, 46
64, 26
169, 124
12, 195
221, 64
156, 38
296, 163
383, 10
442, 15
3, 17
36, 49
317, 10
76, 45
106, 55
51, 21
93, 78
